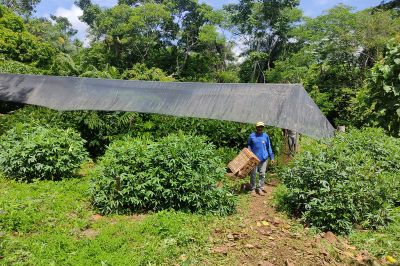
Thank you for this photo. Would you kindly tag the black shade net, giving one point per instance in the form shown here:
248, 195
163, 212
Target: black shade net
279, 105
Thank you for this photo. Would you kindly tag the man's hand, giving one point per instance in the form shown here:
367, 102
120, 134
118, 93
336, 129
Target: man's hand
273, 161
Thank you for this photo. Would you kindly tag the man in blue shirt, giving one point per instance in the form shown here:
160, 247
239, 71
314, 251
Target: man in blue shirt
259, 143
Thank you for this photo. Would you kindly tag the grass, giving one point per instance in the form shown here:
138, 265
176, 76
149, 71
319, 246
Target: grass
53, 223
383, 242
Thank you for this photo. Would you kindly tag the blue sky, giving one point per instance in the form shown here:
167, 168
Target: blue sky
67, 9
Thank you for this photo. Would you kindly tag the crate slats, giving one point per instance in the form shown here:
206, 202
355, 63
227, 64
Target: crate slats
243, 163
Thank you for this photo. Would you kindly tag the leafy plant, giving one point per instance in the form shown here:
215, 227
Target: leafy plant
17, 44
33, 115
142, 72
219, 133
99, 128
352, 180
178, 172
385, 88
36, 152
381, 242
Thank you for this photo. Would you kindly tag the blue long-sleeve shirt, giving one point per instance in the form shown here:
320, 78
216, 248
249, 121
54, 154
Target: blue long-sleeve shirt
260, 145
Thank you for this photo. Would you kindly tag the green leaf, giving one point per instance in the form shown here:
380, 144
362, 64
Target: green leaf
387, 88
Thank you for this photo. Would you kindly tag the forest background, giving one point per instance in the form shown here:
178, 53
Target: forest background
346, 60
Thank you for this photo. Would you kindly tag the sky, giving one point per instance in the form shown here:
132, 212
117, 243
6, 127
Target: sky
66, 8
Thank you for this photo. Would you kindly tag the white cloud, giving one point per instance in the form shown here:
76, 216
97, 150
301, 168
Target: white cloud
239, 48
73, 14
309, 13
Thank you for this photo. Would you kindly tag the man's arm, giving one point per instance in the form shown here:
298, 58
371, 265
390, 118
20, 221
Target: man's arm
270, 152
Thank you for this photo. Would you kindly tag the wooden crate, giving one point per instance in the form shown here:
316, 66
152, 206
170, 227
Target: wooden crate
243, 163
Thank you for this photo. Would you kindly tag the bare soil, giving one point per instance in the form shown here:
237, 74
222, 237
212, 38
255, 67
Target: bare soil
266, 237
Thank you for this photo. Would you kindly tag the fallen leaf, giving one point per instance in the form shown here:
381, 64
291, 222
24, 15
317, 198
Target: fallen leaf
346, 246
90, 233
96, 217
295, 235
289, 263
221, 250
391, 259
265, 223
324, 252
265, 263
249, 246
360, 259
258, 224
276, 221
330, 237
348, 254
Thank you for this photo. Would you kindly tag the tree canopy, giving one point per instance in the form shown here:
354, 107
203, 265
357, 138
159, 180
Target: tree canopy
346, 60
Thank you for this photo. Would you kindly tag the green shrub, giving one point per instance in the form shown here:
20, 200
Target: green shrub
36, 152
33, 115
352, 180
96, 127
227, 154
142, 72
179, 172
99, 128
220, 133
14, 67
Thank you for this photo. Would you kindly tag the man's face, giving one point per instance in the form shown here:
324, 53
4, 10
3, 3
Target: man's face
259, 129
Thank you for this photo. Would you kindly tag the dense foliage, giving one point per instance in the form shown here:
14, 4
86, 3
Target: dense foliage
348, 61
100, 128
338, 56
179, 172
16, 43
51, 223
384, 94
219, 133
352, 180
35, 152
335, 54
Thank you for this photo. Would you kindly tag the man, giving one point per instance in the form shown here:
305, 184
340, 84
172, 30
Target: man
259, 143
292, 141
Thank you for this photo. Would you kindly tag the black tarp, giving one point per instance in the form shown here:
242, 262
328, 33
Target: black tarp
280, 105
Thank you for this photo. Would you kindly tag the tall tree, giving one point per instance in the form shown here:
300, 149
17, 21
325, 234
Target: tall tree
264, 26
384, 96
17, 44
391, 4
21, 7
180, 37
339, 48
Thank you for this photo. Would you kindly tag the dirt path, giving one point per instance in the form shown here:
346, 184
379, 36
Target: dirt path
265, 237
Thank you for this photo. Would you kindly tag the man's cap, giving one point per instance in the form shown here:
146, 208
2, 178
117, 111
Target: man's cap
260, 124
